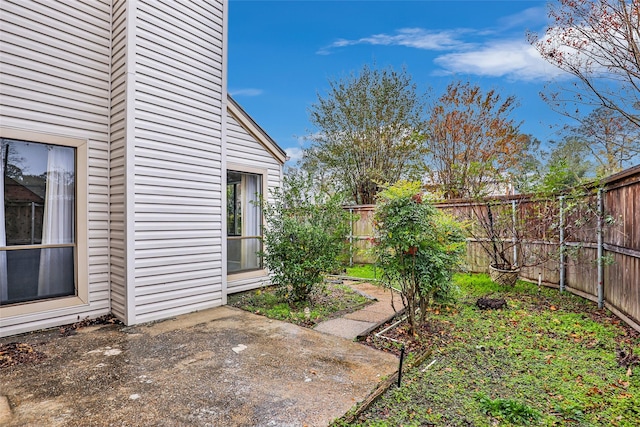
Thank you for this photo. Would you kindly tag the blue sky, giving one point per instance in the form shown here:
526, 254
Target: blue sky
282, 54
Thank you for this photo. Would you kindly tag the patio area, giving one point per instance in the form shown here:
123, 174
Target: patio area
221, 366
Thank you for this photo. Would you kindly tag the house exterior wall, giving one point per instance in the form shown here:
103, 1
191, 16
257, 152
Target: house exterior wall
139, 88
244, 148
176, 193
55, 62
122, 14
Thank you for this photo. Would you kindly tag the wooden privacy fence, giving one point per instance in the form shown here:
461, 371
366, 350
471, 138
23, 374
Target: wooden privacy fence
596, 255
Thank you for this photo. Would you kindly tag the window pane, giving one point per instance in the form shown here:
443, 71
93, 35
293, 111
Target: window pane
234, 256
34, 274
234, 205
39, 193
244, 219
250, 249
242, 254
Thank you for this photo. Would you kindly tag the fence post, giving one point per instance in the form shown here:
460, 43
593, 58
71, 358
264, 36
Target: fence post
600, 254
562, 258
351, 238
514, 238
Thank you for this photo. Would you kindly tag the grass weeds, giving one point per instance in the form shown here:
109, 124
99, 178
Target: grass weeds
366, 271
327, 302
547, 359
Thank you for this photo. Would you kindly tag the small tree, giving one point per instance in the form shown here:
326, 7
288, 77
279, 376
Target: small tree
473, 140
524, 231
369, 129
417, 247
304, 236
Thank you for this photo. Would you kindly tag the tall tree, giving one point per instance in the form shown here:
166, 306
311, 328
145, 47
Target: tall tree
597, 41
472, 141
567, 166
611, 140
369, 131
525, 174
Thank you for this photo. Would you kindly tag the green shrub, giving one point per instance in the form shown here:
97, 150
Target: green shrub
304, 236
417, 247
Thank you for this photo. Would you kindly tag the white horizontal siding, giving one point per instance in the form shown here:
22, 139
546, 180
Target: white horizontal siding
243, 148
178, 157
54, 80
117, 163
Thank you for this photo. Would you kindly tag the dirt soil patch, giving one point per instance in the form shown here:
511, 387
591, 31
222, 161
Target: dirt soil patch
333, 300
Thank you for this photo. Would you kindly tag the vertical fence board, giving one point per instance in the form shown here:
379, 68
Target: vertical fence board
621, 243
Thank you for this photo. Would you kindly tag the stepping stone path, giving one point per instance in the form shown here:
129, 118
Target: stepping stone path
361, 322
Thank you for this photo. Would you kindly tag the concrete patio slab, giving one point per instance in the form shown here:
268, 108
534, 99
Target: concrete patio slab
219, 367
361, 322
345, 328
372, 313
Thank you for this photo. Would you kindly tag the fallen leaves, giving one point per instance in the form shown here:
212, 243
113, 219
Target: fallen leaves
15, 353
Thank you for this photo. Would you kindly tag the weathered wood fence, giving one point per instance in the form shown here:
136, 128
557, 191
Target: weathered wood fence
600, 256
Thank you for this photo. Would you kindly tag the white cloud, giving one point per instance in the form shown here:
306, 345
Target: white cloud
507, 58
533, 16
417, 38
294, 154
490, 52
246, 92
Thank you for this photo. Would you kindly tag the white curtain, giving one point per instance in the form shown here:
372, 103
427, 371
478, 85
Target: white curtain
252, 219
54, 274
4, 285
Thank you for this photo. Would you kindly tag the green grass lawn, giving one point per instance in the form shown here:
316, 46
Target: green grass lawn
547, 359
366, 271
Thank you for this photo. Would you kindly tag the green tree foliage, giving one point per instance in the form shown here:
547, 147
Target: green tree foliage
417, 247
304, 236
525, 174
369, 130
567, 167
609, 139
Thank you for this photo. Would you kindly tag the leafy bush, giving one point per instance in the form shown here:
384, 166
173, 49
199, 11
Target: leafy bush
417, 247
304, 236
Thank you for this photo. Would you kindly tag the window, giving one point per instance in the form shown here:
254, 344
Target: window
244, 221
38, 238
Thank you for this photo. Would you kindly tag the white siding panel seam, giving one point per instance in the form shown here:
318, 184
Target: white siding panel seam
77, 38
33, 49
175, 38
209, 16
199, 17
82, 13
108, 207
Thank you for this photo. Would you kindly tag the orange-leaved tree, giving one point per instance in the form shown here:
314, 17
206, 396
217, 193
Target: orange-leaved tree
472, 140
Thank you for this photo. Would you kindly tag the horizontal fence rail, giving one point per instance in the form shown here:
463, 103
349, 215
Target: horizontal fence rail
596, 257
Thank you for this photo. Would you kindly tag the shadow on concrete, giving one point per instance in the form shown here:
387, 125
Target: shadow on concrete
219, 367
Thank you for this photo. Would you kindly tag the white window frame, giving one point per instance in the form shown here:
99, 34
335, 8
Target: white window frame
236, 167
81, 257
